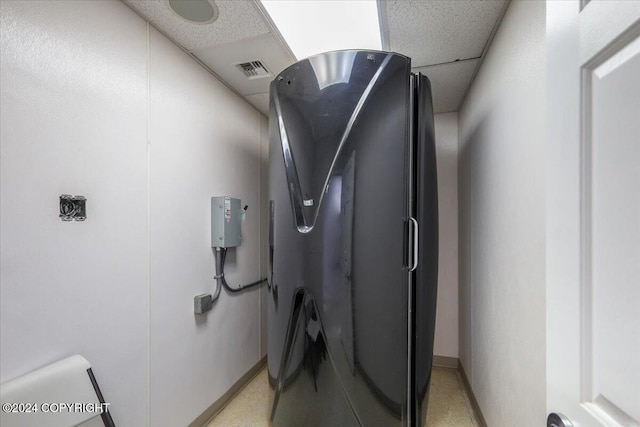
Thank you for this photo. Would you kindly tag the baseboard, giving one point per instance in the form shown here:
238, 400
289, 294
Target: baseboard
446, 362
204, 418
472, 397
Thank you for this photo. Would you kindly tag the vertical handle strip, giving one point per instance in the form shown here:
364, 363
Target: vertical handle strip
271, 242
414, 254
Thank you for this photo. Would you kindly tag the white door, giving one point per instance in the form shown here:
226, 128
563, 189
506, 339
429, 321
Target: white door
593, 212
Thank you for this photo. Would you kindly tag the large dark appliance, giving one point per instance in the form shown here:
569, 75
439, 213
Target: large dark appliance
353, 241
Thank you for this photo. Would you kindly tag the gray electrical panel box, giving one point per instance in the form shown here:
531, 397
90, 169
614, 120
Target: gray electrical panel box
226, 217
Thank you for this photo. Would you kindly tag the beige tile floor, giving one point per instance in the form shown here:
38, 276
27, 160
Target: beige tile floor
449, 404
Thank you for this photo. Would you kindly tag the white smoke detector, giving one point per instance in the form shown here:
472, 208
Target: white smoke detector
195, 11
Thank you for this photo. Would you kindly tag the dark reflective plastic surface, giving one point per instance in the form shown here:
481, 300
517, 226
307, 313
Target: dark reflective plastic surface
351, 159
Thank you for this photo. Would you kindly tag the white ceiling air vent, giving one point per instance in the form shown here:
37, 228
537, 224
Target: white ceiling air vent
253, 69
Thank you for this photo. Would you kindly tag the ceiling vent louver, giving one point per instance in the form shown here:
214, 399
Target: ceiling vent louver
253, 69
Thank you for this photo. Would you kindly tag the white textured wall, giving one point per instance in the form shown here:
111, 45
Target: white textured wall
94, 104
502, 133
204, 141
73, 120
446, 337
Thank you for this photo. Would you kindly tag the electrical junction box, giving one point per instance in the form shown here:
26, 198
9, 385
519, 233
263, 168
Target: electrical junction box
202, 303
226, 218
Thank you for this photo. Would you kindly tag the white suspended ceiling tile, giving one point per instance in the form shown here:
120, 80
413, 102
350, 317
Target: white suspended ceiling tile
434, 32
238, 19
260, 101
222, 60
449, 83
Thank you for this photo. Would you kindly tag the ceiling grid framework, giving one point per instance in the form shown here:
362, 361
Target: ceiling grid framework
445, 40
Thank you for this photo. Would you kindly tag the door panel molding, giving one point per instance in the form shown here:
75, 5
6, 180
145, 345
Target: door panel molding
608, 60
588, 268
